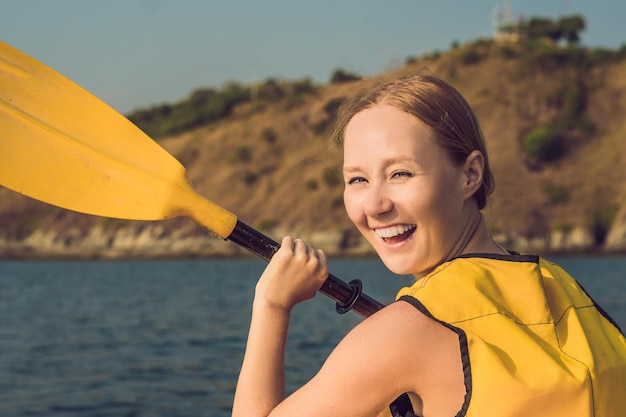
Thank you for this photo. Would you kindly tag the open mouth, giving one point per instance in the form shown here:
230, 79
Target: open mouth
395, 234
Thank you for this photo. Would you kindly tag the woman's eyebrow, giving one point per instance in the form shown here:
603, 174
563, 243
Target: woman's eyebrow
386, 163
348, 170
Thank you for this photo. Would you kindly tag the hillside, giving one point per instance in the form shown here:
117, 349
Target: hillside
269, 161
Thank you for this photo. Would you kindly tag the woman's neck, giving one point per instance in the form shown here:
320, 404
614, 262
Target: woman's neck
480, 240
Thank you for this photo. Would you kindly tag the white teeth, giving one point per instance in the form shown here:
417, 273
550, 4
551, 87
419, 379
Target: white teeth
392, 231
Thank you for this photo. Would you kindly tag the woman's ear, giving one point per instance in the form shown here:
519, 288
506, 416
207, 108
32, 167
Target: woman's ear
473, 173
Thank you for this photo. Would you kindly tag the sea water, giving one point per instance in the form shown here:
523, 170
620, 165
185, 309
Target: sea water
166, 338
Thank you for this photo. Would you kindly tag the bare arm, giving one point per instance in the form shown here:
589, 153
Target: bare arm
293, 275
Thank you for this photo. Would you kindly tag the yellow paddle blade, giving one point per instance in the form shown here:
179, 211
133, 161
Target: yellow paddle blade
63, 146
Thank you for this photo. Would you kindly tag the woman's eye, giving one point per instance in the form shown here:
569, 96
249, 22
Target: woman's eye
356, 180
399, 174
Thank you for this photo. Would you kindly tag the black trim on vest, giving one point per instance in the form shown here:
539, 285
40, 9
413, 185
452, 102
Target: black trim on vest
401, 407
602, 311
512, 257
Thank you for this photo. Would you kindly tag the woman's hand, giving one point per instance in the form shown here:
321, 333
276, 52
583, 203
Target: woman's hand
294, 274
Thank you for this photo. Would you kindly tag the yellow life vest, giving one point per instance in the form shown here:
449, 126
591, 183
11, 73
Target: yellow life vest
533, 343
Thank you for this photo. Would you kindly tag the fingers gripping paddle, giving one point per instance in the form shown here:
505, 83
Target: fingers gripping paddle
63, 146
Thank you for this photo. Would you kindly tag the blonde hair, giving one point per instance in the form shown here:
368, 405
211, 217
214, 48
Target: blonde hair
440, 107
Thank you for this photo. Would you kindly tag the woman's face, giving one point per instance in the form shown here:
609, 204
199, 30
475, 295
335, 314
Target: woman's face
401, 189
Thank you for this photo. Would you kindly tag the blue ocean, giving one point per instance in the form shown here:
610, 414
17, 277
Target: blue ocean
166, 338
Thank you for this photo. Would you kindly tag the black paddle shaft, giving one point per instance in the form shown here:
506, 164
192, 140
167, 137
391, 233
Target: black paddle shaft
347, 295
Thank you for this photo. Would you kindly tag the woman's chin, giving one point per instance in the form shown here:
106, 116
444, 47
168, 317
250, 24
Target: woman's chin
397, 266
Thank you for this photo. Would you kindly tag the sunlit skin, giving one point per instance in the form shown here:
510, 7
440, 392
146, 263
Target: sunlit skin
397, 179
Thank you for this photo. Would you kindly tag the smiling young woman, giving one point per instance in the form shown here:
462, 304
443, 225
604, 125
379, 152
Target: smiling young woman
405, 194
482, 331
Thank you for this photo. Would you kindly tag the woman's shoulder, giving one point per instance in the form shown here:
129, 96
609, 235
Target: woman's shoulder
403, 348
401, 335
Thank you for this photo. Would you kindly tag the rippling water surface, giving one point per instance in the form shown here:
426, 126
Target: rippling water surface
166, 338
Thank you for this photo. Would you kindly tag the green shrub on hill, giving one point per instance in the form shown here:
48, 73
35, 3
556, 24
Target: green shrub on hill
340, 76
269, 135
250, 177
331, 108
243, 154
331, 177
600, 221
507, 52
312, 184
320, 127
543, 144
470, 56
556, 194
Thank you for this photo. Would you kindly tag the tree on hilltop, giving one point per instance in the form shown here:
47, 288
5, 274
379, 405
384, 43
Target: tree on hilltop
567, 28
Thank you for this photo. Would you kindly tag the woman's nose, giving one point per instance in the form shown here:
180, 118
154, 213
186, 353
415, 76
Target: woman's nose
377, 202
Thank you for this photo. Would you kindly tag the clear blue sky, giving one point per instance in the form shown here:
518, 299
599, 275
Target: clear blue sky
137, 53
